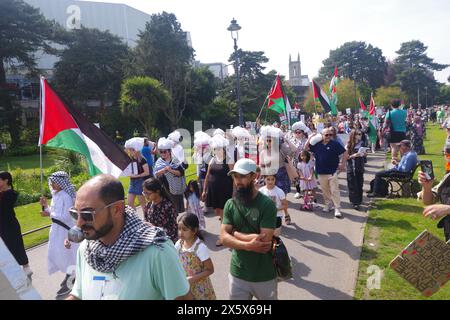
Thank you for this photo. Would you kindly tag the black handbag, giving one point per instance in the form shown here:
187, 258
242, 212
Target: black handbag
388, 134
281, 259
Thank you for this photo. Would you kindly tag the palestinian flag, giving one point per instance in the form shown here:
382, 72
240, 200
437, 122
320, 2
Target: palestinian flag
333, 92
276, 98
363, 108
66, 128
321, 97
373, 122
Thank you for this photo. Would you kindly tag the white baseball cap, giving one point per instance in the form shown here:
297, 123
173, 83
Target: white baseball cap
244, 167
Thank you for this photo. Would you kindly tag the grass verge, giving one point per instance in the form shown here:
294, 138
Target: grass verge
391, 226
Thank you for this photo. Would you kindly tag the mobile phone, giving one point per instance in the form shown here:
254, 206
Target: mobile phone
427, 168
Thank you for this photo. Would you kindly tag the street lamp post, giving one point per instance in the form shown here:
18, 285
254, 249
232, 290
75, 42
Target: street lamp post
234, 29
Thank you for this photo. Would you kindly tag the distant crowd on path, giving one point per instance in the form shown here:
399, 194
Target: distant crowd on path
244, 177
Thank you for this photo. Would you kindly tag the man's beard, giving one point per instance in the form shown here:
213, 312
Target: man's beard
103, 231
244, 195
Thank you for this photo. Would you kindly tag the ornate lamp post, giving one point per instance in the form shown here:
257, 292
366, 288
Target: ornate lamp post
234, 29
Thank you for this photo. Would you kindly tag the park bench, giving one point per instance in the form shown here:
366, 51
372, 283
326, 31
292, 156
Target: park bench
402, 186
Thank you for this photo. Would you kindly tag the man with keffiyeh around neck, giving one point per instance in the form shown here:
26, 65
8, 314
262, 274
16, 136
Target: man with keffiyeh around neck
122, 258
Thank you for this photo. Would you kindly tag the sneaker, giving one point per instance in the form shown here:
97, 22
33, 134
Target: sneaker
327, 208
63, 291
297, 195
372, 195
337, 214
356, 207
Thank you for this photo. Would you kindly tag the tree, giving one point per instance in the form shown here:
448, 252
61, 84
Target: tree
91, 67
201, 93
444, 95
358, 61
23, 32
251, 63
163, 53
385, 95
415, 70
144, 98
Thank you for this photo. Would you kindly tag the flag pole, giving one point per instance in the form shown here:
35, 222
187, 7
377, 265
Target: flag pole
267, 97
40, 135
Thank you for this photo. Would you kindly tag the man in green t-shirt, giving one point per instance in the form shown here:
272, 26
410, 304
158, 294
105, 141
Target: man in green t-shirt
122, 258
248, 225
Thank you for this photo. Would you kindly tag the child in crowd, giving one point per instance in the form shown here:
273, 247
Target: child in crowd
259, 180
192, 195
279, 198
308, 184
194, 256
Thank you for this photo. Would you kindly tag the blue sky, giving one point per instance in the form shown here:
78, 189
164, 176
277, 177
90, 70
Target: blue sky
311, 28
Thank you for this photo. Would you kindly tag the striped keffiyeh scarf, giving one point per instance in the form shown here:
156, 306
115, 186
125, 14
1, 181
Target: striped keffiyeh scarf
61, 178
135, 237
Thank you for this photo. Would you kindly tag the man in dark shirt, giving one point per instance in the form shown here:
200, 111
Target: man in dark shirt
327, 154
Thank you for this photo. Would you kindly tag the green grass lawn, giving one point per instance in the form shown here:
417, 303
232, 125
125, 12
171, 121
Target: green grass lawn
29, 215
391, 226
27, 163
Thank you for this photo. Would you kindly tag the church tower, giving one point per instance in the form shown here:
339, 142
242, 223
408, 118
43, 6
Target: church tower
295, 68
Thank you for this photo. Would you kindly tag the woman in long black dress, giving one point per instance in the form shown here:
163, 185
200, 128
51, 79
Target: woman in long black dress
9, 226
218, 187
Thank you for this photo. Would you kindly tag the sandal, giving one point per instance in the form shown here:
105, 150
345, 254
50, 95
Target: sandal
287, 220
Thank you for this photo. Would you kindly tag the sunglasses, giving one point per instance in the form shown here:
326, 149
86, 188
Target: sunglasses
88, 214
328, 135
163, 151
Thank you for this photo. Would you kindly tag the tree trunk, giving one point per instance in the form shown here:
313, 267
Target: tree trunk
12, 123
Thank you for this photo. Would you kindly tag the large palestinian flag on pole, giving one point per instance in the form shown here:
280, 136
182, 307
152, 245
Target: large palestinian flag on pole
321, 96
276, 98
66, 128
373, 123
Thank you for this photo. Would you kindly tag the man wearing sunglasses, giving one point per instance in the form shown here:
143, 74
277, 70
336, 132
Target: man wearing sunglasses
122, 257
327, 153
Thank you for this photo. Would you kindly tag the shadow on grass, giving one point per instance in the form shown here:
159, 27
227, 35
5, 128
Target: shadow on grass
384, 223
368, 254
402, 208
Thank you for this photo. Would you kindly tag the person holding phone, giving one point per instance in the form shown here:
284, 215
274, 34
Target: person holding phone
437, 199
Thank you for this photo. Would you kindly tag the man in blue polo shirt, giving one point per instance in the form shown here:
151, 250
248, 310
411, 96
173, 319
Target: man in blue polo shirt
327, 153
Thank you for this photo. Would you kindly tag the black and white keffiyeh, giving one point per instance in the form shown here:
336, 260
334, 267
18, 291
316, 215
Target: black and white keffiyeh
135, 237
61, 178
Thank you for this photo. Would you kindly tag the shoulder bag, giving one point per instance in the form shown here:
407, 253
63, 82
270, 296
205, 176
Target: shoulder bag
280, 255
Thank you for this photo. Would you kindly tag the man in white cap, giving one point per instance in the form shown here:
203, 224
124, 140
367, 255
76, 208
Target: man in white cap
248, 226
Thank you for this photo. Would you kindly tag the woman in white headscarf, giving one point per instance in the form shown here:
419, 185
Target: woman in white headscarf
141, 171
63, 198
218, 187
169, 170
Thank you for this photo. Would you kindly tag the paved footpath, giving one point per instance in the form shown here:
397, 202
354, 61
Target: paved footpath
325, 251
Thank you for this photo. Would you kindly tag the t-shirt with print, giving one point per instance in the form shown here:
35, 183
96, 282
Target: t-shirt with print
260, 214
327, 156
155, 273
202, 251
277, 195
